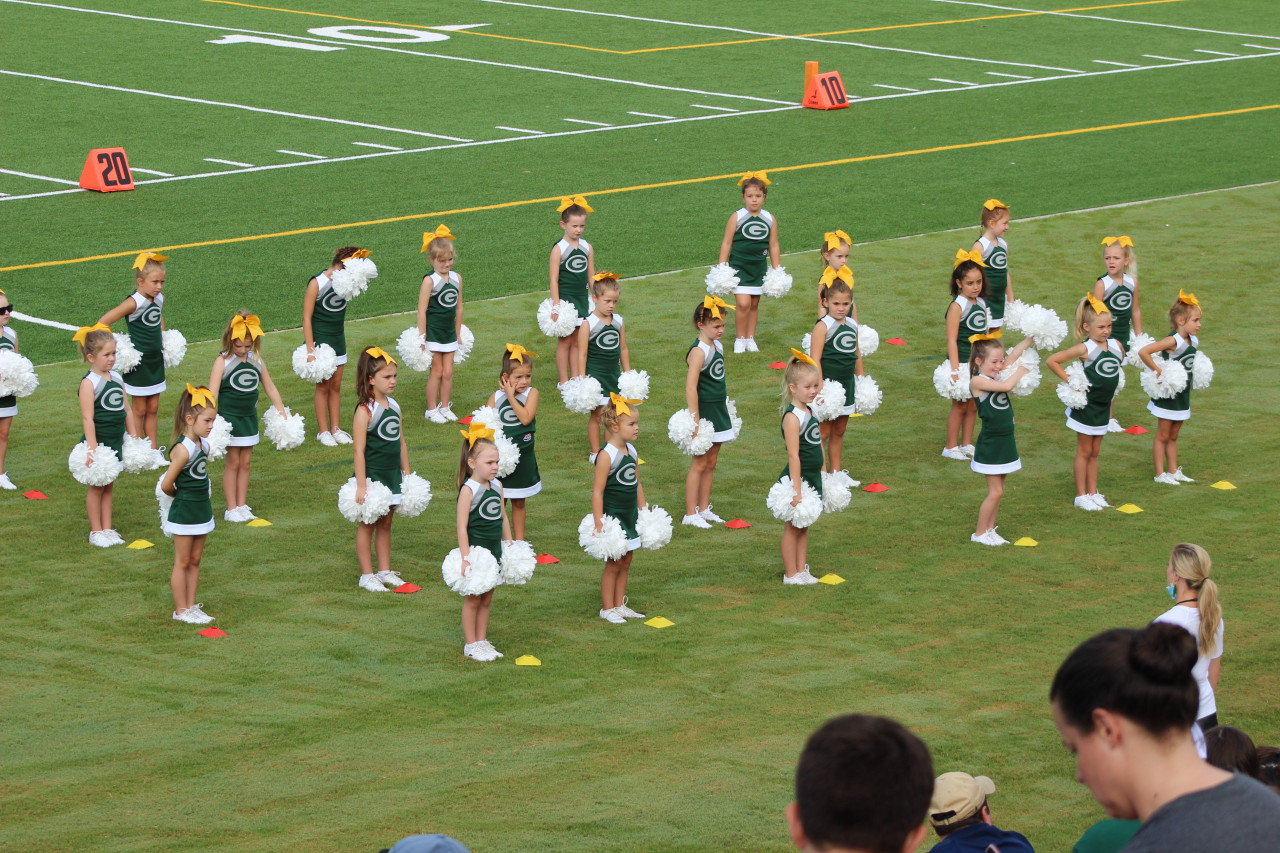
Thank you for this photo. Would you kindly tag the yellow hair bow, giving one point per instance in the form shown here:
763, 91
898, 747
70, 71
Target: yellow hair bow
474, 432
201, 396
993, 203
1188, 298
84, 331
518, 352
621, 404
763, 178
567, 202
606, 276
1096, 304
972, 255
358, 253
802, 356
714, 304
379, 352
1122, 240
829, 276
833, 238
141, 261
441, 232
246, 327
994, 336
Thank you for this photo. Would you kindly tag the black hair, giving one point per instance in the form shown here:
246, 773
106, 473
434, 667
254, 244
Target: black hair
1232, 749
961, 270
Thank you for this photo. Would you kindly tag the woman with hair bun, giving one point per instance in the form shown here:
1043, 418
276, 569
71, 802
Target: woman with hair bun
1196, 609
1124, 702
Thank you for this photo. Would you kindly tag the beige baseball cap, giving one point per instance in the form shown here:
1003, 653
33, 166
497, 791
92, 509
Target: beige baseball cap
958, 796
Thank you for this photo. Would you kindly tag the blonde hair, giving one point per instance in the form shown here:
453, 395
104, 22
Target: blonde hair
795, 371
991, 215
440, 248
255, 344
609, 416
980, 351
1191, 563
1180, 311
1130, 258
95, 341
1085, 315
470, 452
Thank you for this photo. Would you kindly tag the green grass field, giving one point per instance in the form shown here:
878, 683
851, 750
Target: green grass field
330, 719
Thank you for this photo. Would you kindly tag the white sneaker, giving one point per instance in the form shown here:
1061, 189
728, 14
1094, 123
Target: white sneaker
1099, 500
1167, 479
613, 616
233, 515
626, 612
1086, 503
1113, 425
326, 438
739, 344
390, 578
711, 516
1177, 475
996, 538
751, 345
6, 483
247, 512
371, 583
113, 537
187, 616
342, 438
800, 578
696, 520
447, 411
197, 616
488, 647
100, 539
967, 450
981, 538
954, 453
436, 416
477, 651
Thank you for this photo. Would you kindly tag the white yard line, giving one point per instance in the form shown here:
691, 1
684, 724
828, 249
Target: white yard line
706, 107
133, 168
518, 130
1117, 64
956, 82
584, 121
376, 145
39, 177
1263, 47
224, 162
1218, 52
1102, 18
1166, 58
648, 115
1013, 76
301, 154
899, 88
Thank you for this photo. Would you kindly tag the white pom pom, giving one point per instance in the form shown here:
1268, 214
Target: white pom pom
377, 501
567, 323
1119, 384
1013, 313
653, 523
1037, 322
466, 340
835, 494
952, 387
776, 283
1133, 356
582, 394
634, 384
415, 496
1171, 382
779, 503
320, 368
868, 341
830, 402
173, 346
680, 431
1030, 380
734, 420
721, 280
412, 347
354, 277
518, 562
102, 471
127, 355
806, 343
137, 455
17, 375
508, 452
609, 544
1201, 372
219, 438
482, 571
286, 431
1074, 392
867, 395
164, 502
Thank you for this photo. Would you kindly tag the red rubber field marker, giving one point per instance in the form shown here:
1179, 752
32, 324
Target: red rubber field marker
106, 170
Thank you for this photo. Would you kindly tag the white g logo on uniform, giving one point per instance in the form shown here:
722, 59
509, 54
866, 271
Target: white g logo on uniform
576, 263
198, 470
755, 229
716, 371
333, 302
626, 474
1122, 299
608, 339
999, 400
244, 380
490, 508
1107, 367
150, 316
113, 400
845, 341
389, 428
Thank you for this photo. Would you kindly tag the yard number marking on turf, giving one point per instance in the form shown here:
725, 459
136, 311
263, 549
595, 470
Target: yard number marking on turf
302, 45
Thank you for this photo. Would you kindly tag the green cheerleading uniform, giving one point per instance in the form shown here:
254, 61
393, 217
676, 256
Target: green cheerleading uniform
604, 352
238, 398
382, 446
1119, 301
147, 379
973, 321
810, 447
524, 481
995, 254
572, 281
442, 312
1178, 407
995, 451
1102, 369
749, 250
621, 491
484, 521
840, 356
108, 410
329, 317
712, 394
8, 341
192, 511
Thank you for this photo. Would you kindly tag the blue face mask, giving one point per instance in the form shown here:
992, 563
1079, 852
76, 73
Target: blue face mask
1172, 590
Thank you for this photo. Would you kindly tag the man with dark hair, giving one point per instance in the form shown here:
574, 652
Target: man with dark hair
960, 815
862, 786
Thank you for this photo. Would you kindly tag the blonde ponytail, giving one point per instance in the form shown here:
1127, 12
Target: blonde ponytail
1191, 563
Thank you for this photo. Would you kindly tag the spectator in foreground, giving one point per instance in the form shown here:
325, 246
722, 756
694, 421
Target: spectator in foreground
862, 786
1124, 702
961, 816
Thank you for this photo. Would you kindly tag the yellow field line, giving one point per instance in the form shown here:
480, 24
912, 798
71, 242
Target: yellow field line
959, 146
755, 40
